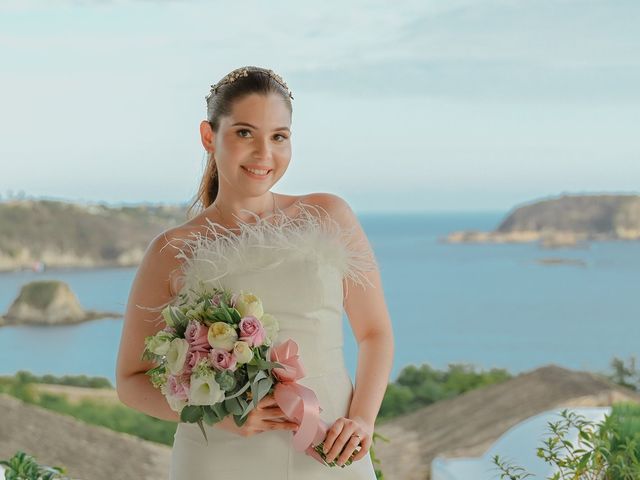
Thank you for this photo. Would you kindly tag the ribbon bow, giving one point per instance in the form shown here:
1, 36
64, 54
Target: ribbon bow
298, 403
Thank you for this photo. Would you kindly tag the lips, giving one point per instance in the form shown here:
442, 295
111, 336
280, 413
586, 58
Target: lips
256, 168
257, 176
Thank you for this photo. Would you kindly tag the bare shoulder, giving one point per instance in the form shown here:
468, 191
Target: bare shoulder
335, 206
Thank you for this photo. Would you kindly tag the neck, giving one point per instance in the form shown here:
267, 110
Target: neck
229, 209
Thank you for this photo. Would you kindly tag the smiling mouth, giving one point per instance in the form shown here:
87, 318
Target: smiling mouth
258, 173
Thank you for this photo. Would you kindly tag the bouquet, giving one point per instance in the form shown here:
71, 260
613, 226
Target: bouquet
217, 357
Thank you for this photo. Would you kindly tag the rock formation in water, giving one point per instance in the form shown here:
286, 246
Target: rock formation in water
49, 302
565, 221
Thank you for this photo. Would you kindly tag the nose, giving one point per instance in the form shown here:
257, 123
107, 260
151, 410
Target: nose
262, 149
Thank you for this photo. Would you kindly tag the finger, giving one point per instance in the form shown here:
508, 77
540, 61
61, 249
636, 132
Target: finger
364, 448
281, 425
365, 444
332, 434
272, 412
348, 450
339, 444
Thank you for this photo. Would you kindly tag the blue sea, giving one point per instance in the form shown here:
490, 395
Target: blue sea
487, 305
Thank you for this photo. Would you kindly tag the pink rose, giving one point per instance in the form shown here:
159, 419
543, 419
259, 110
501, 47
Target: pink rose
178, 386
196, 335
222, 360
194, 357
252, 331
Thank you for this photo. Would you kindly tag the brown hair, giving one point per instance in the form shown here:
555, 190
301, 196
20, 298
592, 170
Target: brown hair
236, 85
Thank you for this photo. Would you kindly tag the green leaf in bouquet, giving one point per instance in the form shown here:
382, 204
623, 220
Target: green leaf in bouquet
219, 316
233, 406
252, 370
260, 387
177, 317
240, 421
199, 422
210, 415
219, 410
235, 315
261, 363
191, 413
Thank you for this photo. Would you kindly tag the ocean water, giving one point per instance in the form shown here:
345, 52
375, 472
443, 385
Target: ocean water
486, 305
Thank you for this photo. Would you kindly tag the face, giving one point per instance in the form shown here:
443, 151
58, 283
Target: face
255, 135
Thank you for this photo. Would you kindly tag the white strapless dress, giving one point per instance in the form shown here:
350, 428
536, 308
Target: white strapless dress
296, 266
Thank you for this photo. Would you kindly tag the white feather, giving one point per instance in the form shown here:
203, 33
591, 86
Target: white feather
263, 244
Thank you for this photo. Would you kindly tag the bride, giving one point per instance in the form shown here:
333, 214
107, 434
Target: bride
305, 278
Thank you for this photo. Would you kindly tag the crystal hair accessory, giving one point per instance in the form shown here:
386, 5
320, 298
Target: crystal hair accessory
243, 72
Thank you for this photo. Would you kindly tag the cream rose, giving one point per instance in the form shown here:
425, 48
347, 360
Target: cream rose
248, 304
222, 335
242, 352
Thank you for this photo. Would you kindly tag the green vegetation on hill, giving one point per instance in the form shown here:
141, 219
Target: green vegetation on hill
98, 233
117, 417
420, 386
23, 376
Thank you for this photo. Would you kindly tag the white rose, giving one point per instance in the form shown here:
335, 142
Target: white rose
204, 390
176, 355
271, 326
248, 304
159, 343
222, 335
243, 352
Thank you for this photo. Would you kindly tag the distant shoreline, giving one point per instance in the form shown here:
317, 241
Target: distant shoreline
73, 268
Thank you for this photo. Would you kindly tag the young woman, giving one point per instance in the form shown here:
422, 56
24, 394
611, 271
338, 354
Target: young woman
306, 257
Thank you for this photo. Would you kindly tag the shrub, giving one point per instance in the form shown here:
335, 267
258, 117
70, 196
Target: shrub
609, 450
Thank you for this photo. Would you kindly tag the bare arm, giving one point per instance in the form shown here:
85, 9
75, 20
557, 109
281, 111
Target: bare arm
371, 324
150, 289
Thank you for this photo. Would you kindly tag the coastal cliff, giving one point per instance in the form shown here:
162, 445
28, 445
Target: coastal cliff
564, 221
61, 234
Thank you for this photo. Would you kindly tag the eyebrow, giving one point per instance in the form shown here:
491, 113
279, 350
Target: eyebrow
249, 125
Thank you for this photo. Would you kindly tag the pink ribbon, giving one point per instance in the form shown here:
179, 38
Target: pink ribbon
299, 403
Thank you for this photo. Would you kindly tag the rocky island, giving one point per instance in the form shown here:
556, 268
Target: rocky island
49, 302
565, 221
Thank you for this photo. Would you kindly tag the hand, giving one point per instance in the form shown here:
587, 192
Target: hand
267, 415
340, 440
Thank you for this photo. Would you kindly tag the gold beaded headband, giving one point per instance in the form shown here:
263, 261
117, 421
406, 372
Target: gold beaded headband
243, 72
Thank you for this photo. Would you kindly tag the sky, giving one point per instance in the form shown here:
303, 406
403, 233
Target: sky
405, 106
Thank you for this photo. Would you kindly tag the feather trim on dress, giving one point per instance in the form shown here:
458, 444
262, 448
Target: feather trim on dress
220, 251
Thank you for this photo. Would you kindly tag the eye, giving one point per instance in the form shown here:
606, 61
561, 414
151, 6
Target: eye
243, 130
283, 137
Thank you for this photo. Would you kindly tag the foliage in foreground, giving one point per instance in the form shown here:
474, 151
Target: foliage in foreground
609, 450
24, 467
